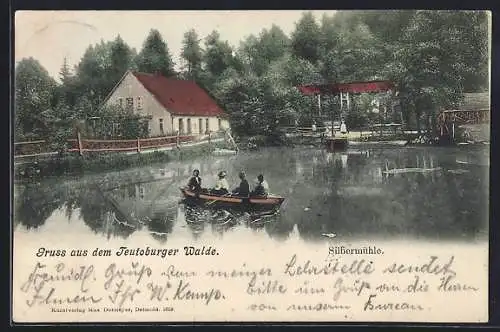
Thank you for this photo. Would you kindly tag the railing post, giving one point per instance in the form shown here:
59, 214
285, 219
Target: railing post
209, 137
138, 145
178, 138
80, 150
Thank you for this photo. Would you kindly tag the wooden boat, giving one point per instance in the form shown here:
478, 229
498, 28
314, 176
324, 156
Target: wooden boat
271, 202
336, 143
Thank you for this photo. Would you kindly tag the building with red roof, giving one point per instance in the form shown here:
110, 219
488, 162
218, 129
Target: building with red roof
171, 104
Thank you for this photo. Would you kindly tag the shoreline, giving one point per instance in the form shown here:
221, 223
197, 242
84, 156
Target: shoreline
75, 164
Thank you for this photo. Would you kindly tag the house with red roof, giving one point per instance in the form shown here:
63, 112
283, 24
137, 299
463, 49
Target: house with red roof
172, 105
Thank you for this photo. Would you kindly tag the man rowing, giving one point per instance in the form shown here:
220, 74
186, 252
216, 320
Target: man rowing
244, 189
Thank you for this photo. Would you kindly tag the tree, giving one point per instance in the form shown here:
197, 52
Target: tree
34, 92
306, 38
192, 54
259, 52
218, 54
274, 43
357, 56
92, 74
249, 52
121, 59
387, 27
66, 92
65, 73
155, 56
329, 35
430, 69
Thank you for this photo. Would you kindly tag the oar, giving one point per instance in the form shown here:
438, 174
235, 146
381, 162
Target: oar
211, 202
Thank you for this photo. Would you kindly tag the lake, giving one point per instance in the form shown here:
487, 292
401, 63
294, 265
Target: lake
344, 193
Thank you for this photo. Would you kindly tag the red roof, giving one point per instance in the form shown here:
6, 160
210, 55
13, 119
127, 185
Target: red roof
180, 97
354, 87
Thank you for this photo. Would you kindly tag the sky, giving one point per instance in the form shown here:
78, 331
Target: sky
51, 36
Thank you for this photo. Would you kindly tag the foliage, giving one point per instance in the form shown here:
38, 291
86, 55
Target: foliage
433, 57
192, 54
155, 56
121, 60
34, 94
306, 38
259, 52
118, 123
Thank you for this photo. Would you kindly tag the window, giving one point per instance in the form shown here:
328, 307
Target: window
161, 126
116, 129
189, 126
130, 103
139, 103
120, 102
141, 191
207, 126
220, 124
200, 126
181, 126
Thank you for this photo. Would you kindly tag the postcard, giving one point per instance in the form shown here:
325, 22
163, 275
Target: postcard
251, 166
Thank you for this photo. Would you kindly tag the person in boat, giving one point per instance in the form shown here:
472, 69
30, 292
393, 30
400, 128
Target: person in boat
244, 189
194, 183
261, 188
221, 186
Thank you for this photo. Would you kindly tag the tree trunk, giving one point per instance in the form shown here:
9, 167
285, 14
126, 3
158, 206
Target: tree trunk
434, 123
417, 121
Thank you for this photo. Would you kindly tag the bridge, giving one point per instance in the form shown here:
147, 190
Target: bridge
344, 91
473, 115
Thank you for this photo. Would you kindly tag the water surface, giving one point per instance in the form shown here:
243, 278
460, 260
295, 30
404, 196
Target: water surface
346, 193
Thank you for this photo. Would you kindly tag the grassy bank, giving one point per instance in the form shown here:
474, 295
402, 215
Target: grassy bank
74, 164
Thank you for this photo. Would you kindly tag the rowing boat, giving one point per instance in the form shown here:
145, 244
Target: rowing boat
270, 202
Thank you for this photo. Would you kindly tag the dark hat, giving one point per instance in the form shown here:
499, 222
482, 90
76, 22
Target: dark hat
222, 174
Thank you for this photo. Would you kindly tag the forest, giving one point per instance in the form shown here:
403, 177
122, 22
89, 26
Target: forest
432, 57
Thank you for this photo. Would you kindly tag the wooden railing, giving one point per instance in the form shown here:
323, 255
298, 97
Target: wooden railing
82, 145
31, 148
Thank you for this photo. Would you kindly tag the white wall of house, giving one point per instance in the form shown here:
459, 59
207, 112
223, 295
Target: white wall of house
198, 125
131, 93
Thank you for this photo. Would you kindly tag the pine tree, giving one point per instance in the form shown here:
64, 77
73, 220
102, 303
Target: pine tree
120, 59
65, 73
154, 56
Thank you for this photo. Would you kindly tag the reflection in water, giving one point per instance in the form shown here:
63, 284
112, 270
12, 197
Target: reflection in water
345, 193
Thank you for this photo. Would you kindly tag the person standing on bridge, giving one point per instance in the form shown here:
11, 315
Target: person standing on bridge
343, 128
